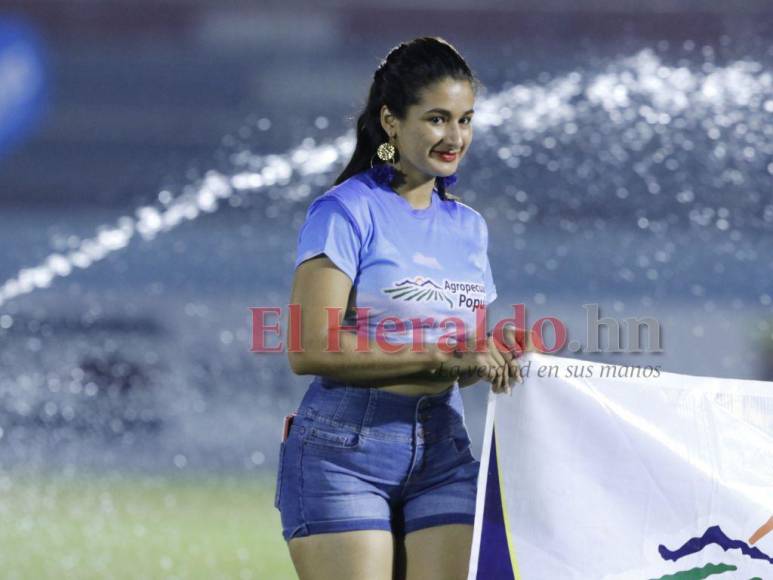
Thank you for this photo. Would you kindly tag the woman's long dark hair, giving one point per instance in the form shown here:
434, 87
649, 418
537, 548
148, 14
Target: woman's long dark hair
407, 69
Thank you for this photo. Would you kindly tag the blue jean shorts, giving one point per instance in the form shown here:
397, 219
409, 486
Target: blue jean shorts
359, 458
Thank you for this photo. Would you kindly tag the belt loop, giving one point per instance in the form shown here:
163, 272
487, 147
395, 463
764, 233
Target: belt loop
345, 397
370, 409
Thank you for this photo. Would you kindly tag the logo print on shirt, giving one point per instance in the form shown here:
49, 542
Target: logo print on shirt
418, 289
458, 295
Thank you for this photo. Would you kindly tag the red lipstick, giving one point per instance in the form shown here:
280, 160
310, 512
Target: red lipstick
448, 157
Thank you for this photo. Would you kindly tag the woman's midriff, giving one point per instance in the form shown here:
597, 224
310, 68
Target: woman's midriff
413, 390
410, 385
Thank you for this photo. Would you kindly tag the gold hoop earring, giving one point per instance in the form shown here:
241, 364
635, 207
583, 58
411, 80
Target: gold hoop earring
386, 152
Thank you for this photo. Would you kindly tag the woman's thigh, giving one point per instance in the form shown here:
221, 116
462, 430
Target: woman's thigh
438, 553
344, 555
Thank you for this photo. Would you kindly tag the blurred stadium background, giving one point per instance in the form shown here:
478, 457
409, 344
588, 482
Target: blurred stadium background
156, 160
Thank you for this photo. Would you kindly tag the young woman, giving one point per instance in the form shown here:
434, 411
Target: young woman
376, 479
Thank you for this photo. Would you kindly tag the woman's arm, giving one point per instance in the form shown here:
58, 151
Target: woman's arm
319, 284
469, 381
512, 343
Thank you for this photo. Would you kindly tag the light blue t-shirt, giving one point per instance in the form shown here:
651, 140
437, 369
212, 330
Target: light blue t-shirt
404, 262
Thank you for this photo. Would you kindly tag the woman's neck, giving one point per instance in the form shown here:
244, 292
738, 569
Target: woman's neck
417, 191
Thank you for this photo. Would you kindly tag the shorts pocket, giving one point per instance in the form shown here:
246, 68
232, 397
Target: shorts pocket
329, 437
280, 469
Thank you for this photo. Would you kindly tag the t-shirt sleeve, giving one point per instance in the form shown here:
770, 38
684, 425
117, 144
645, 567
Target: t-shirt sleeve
488, 279
329, 229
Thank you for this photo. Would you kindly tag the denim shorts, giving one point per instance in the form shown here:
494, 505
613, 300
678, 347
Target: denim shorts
359, 458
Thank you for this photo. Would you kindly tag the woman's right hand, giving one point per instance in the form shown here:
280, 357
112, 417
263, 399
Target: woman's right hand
488, 363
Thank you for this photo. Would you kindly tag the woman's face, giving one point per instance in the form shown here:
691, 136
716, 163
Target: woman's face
441, 122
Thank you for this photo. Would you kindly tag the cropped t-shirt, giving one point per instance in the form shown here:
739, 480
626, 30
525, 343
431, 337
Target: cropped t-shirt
426, 267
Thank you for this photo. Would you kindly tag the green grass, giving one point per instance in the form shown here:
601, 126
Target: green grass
140, 527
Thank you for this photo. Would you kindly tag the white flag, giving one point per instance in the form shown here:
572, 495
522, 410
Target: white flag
597, 471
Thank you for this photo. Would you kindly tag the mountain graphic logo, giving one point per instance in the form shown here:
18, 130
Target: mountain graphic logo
418, 289
715, 535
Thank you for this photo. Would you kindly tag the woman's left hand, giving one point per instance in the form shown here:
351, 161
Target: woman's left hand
505, 349
512, 342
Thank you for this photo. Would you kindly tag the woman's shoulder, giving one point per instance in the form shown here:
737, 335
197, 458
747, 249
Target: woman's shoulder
351, 192
349, 197
467, 213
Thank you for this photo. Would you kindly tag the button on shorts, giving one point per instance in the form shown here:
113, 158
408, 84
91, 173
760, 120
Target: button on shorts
359, 458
